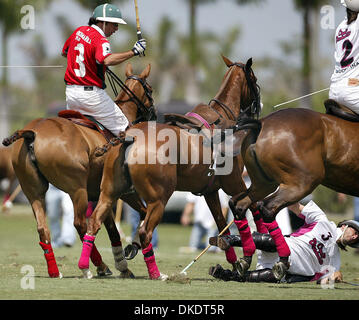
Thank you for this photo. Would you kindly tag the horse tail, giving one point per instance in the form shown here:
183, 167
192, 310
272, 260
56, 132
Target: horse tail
116, 167
28, 135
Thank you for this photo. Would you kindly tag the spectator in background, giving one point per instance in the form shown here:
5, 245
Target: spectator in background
59, 205
134, 219
196, 210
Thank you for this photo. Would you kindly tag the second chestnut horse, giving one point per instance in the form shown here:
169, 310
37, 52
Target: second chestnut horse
159, 161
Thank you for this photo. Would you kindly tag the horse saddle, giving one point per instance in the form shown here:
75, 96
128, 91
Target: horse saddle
190, 120
336, 109
86, 121
182, 121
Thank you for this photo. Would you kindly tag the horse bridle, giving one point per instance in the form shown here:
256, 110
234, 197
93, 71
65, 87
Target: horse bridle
147, 113
254, 108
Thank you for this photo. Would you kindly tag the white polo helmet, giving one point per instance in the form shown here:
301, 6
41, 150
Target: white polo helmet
351, 4
108, 13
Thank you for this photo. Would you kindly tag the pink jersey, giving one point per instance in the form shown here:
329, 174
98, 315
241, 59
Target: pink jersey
86, 50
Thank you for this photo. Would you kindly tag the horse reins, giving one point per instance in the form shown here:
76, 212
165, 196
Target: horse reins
254, 108
149, 112
224, 107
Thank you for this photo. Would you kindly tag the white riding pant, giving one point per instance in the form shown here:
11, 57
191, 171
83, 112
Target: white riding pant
345, 94
98, 104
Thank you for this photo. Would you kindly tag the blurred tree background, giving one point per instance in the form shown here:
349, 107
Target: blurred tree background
185, 65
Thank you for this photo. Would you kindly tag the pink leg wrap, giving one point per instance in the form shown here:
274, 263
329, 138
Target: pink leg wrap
230, 253
259, 222
87, 245
50, 260
149, 257
90, 208
247, 241
276, 233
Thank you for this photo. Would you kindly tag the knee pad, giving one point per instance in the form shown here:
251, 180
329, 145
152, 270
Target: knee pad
264, 275
264, 241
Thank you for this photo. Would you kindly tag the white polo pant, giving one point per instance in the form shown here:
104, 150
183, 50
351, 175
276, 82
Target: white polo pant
98, 104
344, 94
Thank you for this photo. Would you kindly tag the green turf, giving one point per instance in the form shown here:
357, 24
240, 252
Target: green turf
19, 247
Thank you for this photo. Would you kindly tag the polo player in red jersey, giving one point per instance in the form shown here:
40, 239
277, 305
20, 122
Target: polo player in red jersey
88, 53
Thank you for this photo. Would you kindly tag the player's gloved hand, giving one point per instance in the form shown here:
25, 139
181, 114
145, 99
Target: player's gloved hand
139, 47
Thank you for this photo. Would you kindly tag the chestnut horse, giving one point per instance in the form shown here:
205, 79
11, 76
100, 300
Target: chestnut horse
6, 170
57, 151
288, 156
156, 181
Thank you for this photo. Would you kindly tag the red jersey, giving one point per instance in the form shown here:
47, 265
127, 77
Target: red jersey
86, 49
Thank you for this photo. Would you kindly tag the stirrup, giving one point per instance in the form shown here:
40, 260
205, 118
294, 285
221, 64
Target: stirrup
103, 273
280, 270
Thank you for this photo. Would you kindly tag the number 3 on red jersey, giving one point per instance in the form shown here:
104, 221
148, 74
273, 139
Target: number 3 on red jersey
80, 60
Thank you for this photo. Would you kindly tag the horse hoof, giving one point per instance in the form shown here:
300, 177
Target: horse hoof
55, 275
103, 272
127, 274
163, 277
280, 270
87, 274
131, 251
7, 205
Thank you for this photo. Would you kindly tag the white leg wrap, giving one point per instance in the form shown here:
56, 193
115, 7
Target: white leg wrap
120, 261
87, 273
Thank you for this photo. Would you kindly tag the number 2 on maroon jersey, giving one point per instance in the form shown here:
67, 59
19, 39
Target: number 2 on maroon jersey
348, 47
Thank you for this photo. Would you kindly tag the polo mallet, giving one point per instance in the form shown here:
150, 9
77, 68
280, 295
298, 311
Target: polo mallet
205, 250
350, 283
139, 34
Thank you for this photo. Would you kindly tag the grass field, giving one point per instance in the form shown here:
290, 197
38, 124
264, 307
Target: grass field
19, 247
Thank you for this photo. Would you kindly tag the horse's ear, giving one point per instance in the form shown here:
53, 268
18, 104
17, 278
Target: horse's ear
227, 61
249, 63
145, 73
129, 70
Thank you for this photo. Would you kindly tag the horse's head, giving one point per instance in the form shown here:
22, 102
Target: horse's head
240, 84
136, 96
